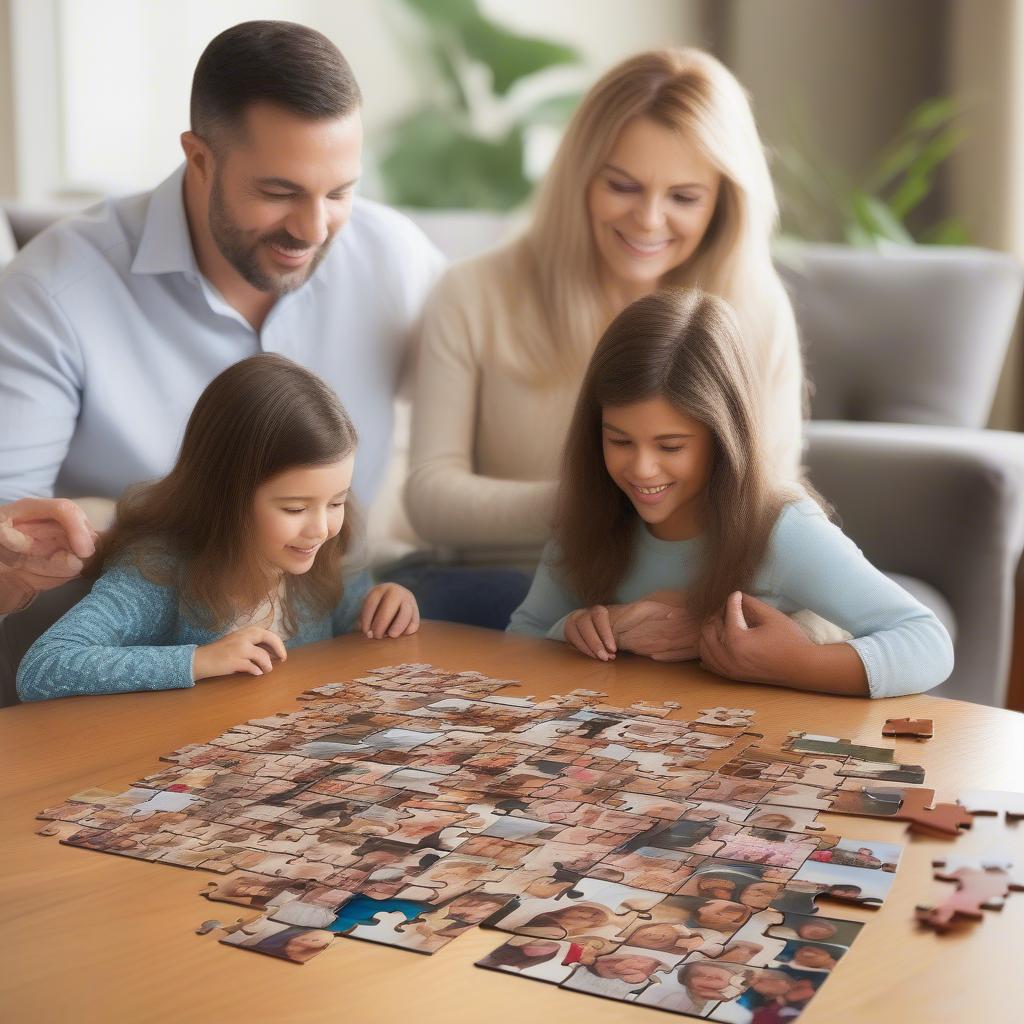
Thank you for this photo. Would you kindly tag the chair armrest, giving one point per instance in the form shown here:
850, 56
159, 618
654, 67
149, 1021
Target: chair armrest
943, 504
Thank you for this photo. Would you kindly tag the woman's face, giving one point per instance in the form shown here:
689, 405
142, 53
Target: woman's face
650, 205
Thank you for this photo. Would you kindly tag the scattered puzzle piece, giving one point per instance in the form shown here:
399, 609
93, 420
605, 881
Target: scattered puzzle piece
991, 802
981, 885
922, 728
910, 805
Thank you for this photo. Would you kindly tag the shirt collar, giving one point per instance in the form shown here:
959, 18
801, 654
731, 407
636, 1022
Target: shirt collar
165, 246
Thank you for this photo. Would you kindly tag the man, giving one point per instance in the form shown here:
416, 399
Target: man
113, 322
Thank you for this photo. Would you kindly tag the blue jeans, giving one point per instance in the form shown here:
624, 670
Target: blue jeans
484, 597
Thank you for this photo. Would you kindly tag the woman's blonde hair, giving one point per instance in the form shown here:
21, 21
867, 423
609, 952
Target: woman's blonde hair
684, 346
686, 90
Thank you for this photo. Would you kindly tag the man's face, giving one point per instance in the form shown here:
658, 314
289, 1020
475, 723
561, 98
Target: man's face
281, 190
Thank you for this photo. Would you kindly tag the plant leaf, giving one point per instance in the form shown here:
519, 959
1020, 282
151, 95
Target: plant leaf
912, 190
445, 13
948, 232
509, 56
554, 110
933, 114
429, 162
876, 219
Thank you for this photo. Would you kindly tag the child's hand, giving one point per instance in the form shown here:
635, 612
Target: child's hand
245, 650
389, 611
589, 630
660, 630
752, 641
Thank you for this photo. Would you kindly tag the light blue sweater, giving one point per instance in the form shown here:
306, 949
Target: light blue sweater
810, 563
130, 634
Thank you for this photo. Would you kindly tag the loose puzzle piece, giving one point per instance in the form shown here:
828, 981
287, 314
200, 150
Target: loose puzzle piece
991, 802
921, 728
910, 805
979, 885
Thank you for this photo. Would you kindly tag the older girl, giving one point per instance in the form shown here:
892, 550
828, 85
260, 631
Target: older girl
665, 487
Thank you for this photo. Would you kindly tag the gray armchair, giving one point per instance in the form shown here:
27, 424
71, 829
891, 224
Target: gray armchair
904, 349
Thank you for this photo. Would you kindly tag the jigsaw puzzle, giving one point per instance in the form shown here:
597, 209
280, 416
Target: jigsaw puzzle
624, 853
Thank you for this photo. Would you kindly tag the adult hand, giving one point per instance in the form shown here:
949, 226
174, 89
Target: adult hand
589, 630
389, 611
42, 544
245, 650
656, 629
752, 641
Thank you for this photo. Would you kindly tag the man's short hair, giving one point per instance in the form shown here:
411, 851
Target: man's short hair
277, 62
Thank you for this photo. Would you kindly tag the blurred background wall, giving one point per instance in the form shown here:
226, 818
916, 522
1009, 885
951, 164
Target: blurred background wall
94, 93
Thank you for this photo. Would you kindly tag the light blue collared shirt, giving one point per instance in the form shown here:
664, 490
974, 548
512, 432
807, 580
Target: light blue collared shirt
109, 334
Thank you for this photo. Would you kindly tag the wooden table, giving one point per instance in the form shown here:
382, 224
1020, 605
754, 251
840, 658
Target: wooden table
90, 937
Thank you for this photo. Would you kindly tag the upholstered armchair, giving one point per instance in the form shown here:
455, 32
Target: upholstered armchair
904, 349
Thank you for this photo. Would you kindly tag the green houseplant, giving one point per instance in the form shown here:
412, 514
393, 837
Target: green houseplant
820, 200
464, 146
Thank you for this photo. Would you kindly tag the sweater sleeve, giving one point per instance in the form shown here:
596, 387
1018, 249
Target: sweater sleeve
904, 647
783, 391
346, 614
547, 604
447, 501
115, 640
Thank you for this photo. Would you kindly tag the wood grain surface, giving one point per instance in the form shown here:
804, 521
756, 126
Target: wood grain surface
91, 937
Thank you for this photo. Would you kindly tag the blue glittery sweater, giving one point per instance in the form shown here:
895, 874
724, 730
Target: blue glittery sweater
130, 634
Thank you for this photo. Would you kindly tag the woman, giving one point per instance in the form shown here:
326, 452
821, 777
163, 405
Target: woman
660, 179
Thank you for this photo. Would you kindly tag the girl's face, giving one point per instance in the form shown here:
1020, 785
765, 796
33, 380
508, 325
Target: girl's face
297, 511
759, 894
650, 206
661, 459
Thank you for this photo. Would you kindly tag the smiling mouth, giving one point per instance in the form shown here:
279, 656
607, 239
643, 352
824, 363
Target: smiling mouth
643, 248
303, 551
652, 490
293, 257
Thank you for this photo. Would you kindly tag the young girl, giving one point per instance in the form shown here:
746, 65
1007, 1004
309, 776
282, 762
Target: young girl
665, 490
233, 557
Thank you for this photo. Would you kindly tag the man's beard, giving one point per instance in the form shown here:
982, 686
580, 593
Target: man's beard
243, 253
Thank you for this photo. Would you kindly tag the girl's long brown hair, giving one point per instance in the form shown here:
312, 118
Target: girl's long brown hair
193, 529
682, 345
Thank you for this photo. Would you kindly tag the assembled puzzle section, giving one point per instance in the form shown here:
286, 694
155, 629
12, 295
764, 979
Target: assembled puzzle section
624, 853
